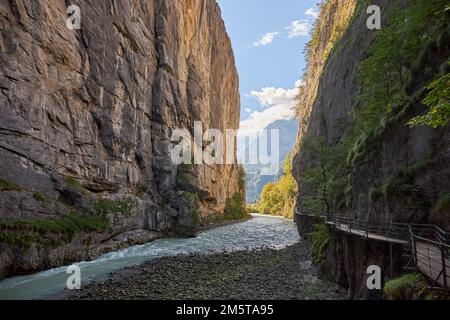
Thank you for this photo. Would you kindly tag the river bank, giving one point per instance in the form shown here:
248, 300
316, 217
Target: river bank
253, 274
261, 232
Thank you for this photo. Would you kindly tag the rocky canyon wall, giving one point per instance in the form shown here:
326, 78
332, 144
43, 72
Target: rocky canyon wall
396, 174
86, 122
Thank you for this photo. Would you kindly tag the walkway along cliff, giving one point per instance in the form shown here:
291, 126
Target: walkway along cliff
86, 121
356, 156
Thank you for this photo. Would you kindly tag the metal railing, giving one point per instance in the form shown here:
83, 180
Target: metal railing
394, 231
431, 256
429, 244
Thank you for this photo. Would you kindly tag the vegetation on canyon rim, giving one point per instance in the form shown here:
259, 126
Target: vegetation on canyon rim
385, 80
56, 231
235, 206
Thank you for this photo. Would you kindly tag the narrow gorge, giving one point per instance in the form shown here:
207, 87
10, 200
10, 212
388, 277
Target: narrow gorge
86, 123
132, 133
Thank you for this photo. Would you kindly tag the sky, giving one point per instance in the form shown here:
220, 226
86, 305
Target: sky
268, 38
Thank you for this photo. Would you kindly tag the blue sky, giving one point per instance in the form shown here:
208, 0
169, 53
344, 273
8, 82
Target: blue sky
268, 39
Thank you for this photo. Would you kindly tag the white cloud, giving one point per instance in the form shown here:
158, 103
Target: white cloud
299, 83
298, 28
271, 96
266, 39
279, 103
312, 13
248, 110
259, 120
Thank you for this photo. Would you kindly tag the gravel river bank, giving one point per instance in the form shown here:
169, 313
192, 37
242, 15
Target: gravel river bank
255, 274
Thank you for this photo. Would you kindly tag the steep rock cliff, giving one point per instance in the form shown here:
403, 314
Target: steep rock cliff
395, 174
86, 121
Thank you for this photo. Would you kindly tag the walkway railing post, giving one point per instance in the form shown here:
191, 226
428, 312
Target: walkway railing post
367, 229
391, 258
413, 245
444, 265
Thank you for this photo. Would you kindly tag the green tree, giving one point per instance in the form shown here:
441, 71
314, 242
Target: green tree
438, 100
278, 198
325, 179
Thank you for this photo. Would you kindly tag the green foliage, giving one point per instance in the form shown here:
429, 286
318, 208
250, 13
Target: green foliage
185, 177
235, 208
50, 232
252, 208
327, 180
190, 197
54, 232
405, 287
320, 239
443, 203
241, 178
39, 196
375, 194
401, 185
74, 183
26, 240
104, 206
420, 165
279, 198
168, 197
9, 186
396, 183
397, 50
191, 204
325, 36
438, 100
334, 33
187, 167
270, 199
400, 48
195, 215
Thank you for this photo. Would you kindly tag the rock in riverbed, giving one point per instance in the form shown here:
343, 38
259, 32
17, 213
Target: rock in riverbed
263, 274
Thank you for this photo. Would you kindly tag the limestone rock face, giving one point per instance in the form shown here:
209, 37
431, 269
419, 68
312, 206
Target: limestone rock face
88, 114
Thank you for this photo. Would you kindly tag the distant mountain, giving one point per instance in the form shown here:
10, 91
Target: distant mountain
255, 179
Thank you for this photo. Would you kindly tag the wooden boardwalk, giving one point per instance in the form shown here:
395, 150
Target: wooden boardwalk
370, 235
429, 262
429, 244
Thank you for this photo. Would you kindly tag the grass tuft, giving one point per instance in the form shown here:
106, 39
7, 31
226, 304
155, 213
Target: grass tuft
9, 186
443, 203
320, 239
404, 287
50, 232
39, 196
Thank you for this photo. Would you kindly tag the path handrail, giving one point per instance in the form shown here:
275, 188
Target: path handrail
409, 233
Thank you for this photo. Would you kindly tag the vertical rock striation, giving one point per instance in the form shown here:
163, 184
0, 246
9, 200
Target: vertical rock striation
86, 121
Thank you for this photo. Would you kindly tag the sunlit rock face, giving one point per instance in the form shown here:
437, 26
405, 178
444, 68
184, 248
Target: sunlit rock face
88, 114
